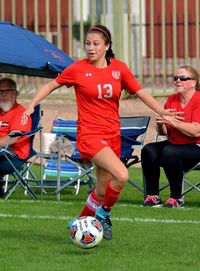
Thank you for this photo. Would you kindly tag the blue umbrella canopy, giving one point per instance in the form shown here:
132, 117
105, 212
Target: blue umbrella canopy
23, 52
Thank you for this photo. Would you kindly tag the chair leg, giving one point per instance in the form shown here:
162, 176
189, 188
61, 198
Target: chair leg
84, 172
136, 186
182, 193
77, 187
24, 185
6, 178
192, 186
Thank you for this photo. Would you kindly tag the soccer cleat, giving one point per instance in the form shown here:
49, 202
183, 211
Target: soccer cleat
106, 224
153, 201
104, 219
173, 203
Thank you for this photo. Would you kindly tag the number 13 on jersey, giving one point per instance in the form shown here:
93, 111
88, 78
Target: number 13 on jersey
105, 91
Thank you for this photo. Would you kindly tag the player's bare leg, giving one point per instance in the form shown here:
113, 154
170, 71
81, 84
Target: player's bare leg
111, 178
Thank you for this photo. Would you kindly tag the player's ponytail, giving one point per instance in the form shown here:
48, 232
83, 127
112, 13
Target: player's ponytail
110, 53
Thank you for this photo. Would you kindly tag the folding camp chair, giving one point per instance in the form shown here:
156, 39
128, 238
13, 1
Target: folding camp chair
133, 131
18, 175
69, 169
188, 184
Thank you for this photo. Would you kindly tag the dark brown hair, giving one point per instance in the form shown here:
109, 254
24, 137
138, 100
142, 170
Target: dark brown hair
98, 28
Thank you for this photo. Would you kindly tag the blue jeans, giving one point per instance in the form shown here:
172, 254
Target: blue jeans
6, 167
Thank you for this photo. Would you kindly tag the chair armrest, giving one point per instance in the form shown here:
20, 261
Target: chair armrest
7, 151
15, 134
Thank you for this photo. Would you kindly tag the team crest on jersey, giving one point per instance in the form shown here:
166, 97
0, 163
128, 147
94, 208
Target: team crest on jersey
116, 74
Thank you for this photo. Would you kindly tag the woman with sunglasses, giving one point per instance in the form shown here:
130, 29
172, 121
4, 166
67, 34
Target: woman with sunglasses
181, 150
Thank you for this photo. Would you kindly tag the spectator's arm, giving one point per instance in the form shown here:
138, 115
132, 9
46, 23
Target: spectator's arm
4, 139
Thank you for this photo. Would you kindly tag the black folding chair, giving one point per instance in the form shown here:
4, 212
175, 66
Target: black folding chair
188, 183
133, 132
18, 175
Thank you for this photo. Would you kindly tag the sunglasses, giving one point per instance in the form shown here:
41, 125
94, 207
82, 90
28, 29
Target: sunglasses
182, 78
6, 91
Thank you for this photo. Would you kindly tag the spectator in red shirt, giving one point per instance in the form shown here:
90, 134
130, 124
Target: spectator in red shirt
98, 81
10, 120
181, 150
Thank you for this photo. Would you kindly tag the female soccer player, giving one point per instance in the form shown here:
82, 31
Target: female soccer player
98, 81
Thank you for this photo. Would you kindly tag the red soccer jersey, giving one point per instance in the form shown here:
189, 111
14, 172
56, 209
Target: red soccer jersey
191, 114
11, 121
97, 93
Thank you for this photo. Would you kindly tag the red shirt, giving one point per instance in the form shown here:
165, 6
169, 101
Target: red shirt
98, 93
11, 121
191, 114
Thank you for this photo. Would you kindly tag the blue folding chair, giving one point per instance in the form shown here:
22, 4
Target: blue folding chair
18, 174
133, 132
63, 172
70, 171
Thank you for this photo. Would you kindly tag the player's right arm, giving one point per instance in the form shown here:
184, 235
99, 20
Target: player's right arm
42, 93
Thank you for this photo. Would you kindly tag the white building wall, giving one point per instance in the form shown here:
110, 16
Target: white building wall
77, 9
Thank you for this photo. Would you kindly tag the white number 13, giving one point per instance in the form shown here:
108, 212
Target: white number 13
105, 91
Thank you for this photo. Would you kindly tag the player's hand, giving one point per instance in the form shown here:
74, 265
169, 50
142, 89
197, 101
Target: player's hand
29, 110
170, 117
171, 114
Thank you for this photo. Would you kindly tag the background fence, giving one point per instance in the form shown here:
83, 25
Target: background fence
153, 37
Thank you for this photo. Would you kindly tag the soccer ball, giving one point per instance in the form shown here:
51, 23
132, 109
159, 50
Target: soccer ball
86, 232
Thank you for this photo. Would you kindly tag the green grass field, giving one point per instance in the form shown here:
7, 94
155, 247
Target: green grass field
33, 234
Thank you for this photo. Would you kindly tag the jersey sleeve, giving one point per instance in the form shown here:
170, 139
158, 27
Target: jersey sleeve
68, 76
129, 81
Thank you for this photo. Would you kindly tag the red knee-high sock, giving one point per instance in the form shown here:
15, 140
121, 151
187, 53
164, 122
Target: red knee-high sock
110, 198
92, 204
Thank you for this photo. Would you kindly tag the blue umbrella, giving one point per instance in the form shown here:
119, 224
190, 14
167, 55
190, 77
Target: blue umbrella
23, 52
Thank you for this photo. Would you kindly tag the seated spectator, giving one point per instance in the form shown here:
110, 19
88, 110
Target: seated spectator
181, 150
10, 121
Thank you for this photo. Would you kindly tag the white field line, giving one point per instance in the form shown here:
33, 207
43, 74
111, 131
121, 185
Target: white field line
71, 203
121, 219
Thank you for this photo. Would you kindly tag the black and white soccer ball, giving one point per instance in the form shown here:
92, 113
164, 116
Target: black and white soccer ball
86, 232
